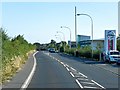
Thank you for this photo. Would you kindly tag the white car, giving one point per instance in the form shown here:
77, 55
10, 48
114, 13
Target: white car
112, 56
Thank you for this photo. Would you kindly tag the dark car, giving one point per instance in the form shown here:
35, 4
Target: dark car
52, 50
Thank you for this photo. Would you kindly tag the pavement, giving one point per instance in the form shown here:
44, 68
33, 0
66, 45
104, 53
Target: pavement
20, 77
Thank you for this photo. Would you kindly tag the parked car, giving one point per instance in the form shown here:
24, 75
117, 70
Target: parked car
112, 56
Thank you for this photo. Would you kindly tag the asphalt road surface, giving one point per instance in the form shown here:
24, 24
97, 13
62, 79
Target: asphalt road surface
51, 74
56, 70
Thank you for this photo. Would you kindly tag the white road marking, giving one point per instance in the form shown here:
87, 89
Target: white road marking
88, 83
67, 65
72, 74
67, 69
27, 81
89, 87
56, 59
97, 84
61, 62
79, 83
82, 74
82, 79
73, 69
64, 65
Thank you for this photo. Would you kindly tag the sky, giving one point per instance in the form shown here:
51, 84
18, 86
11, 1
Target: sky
39, 21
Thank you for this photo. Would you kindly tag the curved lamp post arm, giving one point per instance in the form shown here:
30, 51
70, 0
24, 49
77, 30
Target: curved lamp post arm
62, 34
91, 29
69, 31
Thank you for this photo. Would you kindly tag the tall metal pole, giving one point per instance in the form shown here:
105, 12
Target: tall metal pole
70, 33
75, 27
91, 29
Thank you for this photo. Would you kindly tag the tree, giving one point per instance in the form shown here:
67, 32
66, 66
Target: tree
52, 44
37, 45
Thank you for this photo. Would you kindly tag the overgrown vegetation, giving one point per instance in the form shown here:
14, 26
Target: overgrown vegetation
15, 52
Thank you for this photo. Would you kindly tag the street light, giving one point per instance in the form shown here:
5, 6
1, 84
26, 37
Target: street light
70, 33
91, 28
58, 36
62, 34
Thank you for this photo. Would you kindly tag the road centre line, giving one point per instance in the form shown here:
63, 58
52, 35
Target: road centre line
62, 63
77, 80
67, 65
67, 69
72, 74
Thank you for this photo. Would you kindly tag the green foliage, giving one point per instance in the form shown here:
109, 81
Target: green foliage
11, 49
85, 51
15, 47
96, 54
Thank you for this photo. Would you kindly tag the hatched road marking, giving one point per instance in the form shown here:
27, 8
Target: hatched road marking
82, 80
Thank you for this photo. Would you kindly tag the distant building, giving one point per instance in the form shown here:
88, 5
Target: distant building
82, 38
97, 43
73, 44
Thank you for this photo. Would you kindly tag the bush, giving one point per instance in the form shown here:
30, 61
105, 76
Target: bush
13, 54
85, 52
96, 55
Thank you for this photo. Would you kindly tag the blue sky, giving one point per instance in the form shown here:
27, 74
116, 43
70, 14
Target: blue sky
39, 21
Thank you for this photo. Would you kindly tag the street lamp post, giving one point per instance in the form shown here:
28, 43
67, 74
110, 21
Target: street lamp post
70, 33
62, 34
91, 29
58, 36
64, 38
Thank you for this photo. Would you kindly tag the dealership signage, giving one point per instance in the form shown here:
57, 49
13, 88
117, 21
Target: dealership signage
110, 40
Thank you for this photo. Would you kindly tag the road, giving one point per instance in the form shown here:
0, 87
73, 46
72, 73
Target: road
56, 70
50, 74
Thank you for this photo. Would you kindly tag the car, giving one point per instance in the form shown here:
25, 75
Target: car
52, 50
118, 62
113, 56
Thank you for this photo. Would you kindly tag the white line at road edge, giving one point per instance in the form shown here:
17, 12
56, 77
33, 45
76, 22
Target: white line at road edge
27, 81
